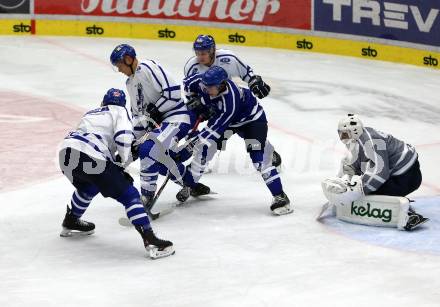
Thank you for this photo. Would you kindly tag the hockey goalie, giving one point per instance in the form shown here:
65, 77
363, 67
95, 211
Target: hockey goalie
374, 178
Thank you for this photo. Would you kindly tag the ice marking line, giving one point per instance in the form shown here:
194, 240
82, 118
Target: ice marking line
291, 133
75, 51
31, 128
20, 119
427, 145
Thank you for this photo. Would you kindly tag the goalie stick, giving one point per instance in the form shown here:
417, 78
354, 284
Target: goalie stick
324, 208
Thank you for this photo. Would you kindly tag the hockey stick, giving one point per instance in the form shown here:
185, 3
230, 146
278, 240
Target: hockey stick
123, 221
155, 216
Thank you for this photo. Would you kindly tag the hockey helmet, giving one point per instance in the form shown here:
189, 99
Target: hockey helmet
114, 97
204, 42
120, 51
214, 76
350, 128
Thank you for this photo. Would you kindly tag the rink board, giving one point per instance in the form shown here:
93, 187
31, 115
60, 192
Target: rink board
234, 36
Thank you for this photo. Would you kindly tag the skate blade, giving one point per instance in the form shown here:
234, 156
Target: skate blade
282, 211
419, 224
156, 253
75, 233
123, 221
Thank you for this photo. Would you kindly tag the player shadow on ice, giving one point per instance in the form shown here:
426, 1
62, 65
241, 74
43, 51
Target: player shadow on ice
102, 246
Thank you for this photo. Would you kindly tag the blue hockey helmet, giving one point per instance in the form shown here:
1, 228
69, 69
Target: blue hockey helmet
120, 51
114, 97
214, 76
204, 42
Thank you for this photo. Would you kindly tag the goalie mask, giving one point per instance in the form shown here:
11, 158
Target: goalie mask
350, 128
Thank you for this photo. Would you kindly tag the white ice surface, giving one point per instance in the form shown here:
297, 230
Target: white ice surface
229, 250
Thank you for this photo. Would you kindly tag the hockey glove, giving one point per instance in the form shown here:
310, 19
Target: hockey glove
186, 152
202, 111
134, 151
260, 88
154, 114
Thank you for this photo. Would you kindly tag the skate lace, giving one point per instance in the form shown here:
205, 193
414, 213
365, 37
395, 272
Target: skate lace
277, 199
80, 222
185, 191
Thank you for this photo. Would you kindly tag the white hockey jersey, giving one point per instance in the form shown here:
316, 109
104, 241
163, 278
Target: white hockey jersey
152, 84
102, 132
225, 59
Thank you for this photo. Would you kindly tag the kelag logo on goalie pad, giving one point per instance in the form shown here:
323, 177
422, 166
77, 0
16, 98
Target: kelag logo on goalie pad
384, 215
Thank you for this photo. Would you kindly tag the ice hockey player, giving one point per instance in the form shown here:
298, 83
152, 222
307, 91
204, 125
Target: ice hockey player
374, 178
235, 109
88, 159
207, 55
159, 113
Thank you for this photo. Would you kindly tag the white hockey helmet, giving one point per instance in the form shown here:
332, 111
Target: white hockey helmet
350, 128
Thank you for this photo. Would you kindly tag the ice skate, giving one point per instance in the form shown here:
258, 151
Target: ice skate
74, 226
281, 205
157, 248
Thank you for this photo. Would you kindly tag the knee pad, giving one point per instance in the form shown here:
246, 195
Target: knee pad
129, 197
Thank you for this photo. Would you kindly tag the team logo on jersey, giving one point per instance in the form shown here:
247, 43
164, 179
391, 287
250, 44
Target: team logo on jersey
139, 96
225, 60
196, 70
219, 105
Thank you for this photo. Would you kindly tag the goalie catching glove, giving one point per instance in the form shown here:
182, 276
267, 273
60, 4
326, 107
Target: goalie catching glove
260, 88
342, 190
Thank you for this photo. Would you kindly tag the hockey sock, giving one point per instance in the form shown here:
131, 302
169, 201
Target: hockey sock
149, 178
272, 180
268, 172
81, 200
133, 207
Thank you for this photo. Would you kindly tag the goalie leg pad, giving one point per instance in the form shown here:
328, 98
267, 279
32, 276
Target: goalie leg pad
375, 210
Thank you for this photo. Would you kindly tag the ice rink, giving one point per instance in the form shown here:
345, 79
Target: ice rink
230, 250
